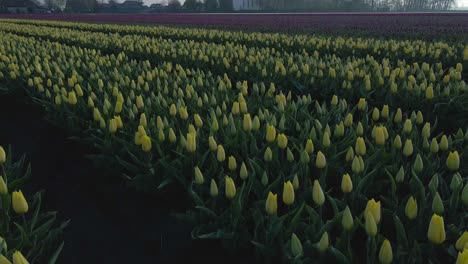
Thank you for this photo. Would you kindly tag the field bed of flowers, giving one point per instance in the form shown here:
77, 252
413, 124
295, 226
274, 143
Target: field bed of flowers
316, 149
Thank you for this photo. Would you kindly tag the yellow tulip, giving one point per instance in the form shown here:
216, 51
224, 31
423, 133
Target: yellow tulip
373, 207
398, 116
139, 102
243, 174
317, 194
379, 136
443, 145
20, 205
270, 133
309, 146
198, 120
453, 161
213, 188
360, 146
323, 243
172, 110
72, 98
232, 164
375, 114
282, 141
268, 155
429, 92
172, 136
346, 183
385, 253
4, 260
288, 193
296, 246
230, 188
362, 104
320, 161
436, 230
220, 154
191, 145
463, 256
271, 204
183, 113
347, 219
408, 148
212, 143
462, 241
411, 209
370, 225
2, 155
247, 123
198, 176
18, 258
385, 112
146, 143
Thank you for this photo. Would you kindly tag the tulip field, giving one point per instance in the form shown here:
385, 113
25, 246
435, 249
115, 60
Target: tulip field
301, 148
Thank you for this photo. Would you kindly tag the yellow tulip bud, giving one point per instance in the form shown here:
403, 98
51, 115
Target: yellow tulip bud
370, 225
139, 102
436, 230
348, 120
146, 143
334, 100
356, 165
373, 207
397, 142
220, 155
296, 246
268, 155
419, 118
379, 136
418, 164
271, 204
3, 186
247, 123
289, 155
172, 110
398, 116
143, 121
347, 219
295, 182
360, 146
362, 104
411, 209
323, 243
4, 260
243, 174
346, 183
270, 133
326, 140
198, 120
191, 145
288, 193
443, 145
72, 98
183, 113
385, 253
320, 161
18, 258
462, 241
408, 126
385, 112
464, 195
232, 164
2, 155
235, 108
309, 146
463, 256
350, 154
212, 143
375, 114
256, 123
453, 161
317, 194
213, 188
20, 205
230, 188
429, 92
408, 148
359, 129
198, 176
172, 136
282, 141
437, 204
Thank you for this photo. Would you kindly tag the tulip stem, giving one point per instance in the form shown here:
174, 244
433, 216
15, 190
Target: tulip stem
371, 249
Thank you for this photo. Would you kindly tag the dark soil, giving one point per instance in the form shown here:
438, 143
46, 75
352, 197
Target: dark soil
110, 222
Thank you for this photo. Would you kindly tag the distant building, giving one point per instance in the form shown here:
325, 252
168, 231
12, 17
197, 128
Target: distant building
81, 6
246, 5
21, 7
